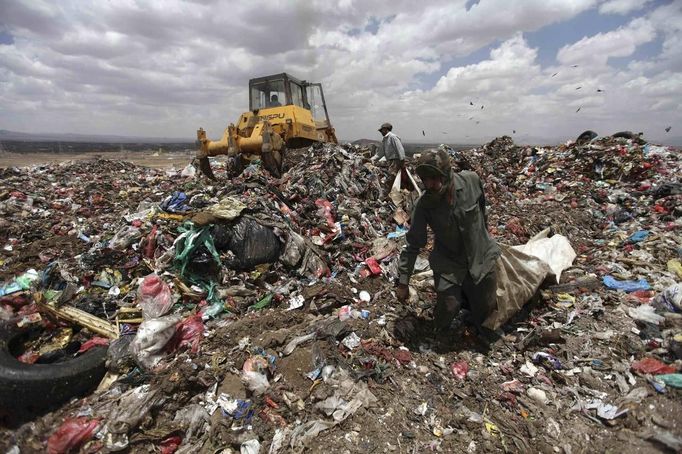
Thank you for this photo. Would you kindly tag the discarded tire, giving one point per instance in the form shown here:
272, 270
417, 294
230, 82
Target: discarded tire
625, 135
586, 137
31, 388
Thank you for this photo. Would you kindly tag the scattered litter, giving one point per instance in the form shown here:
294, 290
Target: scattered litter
293, 279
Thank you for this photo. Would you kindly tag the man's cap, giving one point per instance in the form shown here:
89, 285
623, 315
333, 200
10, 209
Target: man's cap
433, 163
388, 126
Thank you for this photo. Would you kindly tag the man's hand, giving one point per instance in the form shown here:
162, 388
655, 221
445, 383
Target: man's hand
402, 292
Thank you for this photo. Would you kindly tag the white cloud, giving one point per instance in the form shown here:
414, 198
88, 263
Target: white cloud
597, 49
167, 67
622, 6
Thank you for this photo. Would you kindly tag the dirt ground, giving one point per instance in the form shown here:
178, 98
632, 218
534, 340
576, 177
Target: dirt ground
164, 160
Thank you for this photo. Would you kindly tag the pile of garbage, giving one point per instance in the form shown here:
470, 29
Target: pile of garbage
251, 314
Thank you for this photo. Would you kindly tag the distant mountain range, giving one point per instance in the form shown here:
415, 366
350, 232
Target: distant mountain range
91, 138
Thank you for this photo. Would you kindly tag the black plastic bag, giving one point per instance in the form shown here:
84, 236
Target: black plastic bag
253, 244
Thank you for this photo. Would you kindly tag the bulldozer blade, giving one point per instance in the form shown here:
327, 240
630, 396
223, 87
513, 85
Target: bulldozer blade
205, 168
270, 164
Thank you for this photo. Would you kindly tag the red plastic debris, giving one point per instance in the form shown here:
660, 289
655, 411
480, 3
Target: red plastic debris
273, 418
652, 366
373, 265
270, 403
326, 210
170, 444
150, 243
71, 434
29, 357
365, 273
401, 356
94, 342
96, 199
643, 296
154, 296
16, 300
515, 227
188, 333
513, 386
507, 399
459, 369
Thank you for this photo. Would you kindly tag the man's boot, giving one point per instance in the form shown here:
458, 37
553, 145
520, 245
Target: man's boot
447, 307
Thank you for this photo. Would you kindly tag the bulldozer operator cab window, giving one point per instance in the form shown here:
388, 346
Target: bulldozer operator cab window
314, 95
268, 94
274, 100
296, 95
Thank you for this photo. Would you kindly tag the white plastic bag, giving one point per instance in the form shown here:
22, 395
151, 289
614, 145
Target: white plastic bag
646, 313
256, 382
294, 249
398, 196
151, 338
556, 251
125, 237
670, 299
250, 447
154, 297
188, 171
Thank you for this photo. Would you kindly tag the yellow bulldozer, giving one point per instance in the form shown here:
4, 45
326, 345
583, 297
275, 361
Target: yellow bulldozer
284, 112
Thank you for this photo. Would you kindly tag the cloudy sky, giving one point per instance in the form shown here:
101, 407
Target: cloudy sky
166, 67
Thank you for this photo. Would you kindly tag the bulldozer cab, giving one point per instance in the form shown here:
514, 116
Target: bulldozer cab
284, 90
284, 112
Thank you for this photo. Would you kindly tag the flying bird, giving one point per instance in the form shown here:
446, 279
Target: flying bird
423, 133
471, 103
599, 90
471, 118
579, 88
578, 109
574, 66
554, 74
481, 107
668, 129
513, 131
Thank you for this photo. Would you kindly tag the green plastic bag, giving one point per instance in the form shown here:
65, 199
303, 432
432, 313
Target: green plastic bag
263, 303
189, 243
674, 380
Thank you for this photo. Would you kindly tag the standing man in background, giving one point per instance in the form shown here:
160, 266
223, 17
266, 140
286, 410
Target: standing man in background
392, 149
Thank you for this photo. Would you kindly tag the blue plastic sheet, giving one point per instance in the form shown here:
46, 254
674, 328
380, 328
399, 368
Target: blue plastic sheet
399, 232
175, 203
638, 236
627, 286
243, 410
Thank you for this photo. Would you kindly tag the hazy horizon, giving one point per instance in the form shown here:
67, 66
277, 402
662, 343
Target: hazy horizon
63, 137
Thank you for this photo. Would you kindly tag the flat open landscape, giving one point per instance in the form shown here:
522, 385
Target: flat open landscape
156, 160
